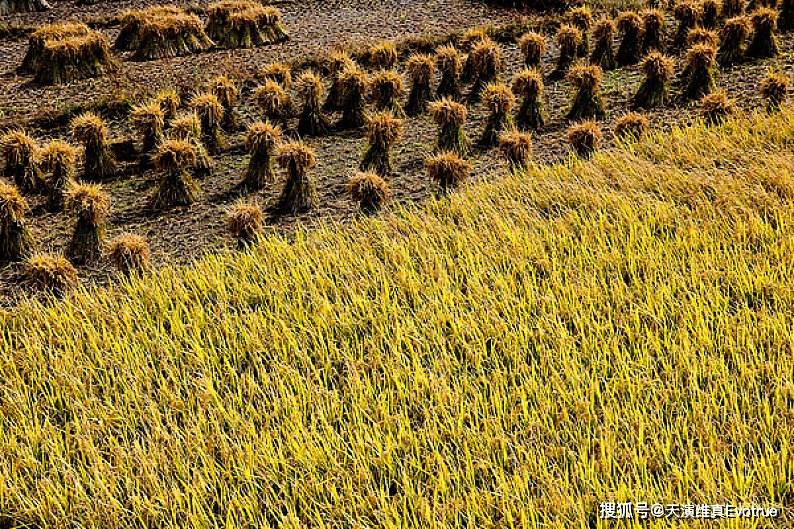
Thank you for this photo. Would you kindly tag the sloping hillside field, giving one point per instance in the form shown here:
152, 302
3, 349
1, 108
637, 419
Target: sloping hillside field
618, 329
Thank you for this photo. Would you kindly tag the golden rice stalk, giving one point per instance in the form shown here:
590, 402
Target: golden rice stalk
386, 91
299, 192
354, 84
568, 40
581, 17
698, 75
370, 191
177, 187
260, 141
382, 55
21, 163
48, 32
274, 101
383, 131
532, 46
584, 138
450, 63
653, 25
631, 125
450, 117
91, 206
528, 85
170, 35
716, 107
487, 63
244, 24
654, 89
225, 89
312, 121
603, 35
516, 147
499, 100
688, 14
702, 36
588, 102
169, 102
774, 88
188, 128
630, 28
58, 158
763, 43
279, 72
448, 170
49, 273
73, 58
210, 113
131, 21
244, 222
336, 63
421, 68
15, 239
149, 120
98, 160
130, 254
732, 38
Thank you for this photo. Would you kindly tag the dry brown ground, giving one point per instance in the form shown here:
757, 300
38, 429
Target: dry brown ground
180, 235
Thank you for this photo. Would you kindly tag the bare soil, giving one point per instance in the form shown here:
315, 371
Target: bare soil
180, 235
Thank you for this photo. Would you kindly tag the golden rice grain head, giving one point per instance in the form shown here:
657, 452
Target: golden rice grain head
49, 273
89, 202
736, 28
272, 98
207, 108
148, 116
774, 87
764, 19
13, 205
701, 56
420, 67
310, 86
369, 189
486, 54
471, 37
585, 76
585, 137
633, 125
516, 146
58, 153
498, 98
129, 253
448, 168
716, 106
296, 153
337, 61
581, 17
225, 89
245, 221
382, 55
169, 102
629, 22
652, 19
18, 147
702, 36
449, 60
448, 112
175, 155
568, 37
186, 126
386, 82
88, 127
262, 136
687, 12
657, 66
528, 83
354, 79
604, 29
532, 44
279, 72
383, 128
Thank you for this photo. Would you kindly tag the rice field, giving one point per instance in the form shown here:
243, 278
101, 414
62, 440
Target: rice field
616, 329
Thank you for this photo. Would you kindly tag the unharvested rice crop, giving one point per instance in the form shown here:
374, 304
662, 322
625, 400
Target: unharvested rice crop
606, 330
